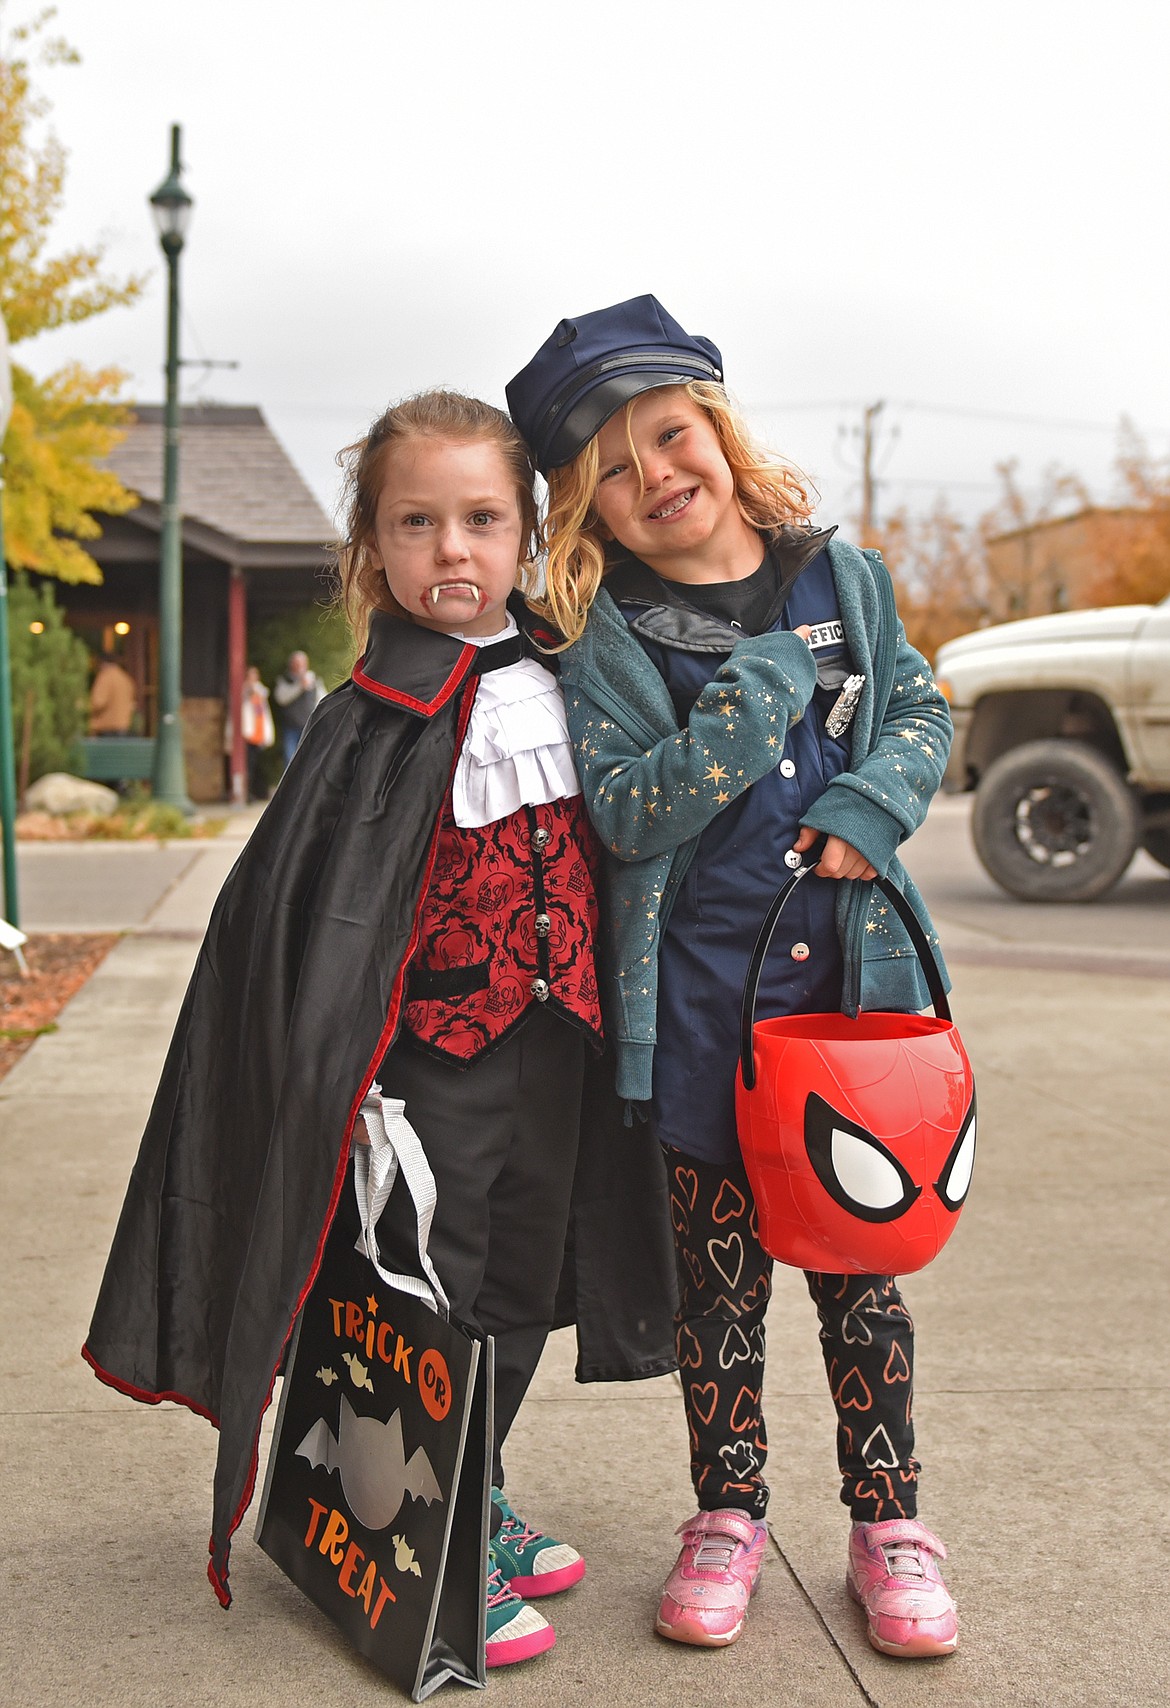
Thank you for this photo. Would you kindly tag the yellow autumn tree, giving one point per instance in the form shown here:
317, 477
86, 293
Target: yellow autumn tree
1061, 548
63, 426
940, 574
1131, 543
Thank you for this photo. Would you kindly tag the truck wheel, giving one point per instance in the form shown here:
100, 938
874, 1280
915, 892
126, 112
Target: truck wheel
1157, 845
1055, 821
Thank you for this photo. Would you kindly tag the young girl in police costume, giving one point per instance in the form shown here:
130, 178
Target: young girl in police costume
720, 684
417, 903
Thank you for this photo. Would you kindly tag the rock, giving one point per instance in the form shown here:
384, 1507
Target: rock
58, 792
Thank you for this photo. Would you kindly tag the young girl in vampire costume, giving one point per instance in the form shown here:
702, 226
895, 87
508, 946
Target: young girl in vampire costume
738, 685
416, 904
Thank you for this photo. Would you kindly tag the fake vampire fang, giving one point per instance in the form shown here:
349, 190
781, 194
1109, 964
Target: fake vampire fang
452, 590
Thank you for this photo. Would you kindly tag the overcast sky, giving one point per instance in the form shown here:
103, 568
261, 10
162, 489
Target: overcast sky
961, 209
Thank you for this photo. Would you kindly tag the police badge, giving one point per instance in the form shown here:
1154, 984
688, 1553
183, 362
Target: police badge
842, 710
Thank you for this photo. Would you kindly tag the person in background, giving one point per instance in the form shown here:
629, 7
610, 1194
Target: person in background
298, 692
258, 729
112, 698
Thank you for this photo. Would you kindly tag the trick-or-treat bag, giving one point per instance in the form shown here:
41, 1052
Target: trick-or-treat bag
858, 1135
379, 1480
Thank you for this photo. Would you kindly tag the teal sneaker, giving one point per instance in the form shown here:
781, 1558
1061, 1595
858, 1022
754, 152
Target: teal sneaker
515, 1631
531, 1563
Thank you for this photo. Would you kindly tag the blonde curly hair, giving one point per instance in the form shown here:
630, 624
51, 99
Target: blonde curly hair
438, 414
770, 494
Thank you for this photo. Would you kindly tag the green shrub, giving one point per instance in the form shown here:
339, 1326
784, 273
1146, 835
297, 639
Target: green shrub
50, 681
150, 819
143, 820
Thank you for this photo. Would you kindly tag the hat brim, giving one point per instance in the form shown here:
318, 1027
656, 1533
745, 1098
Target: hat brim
585, 418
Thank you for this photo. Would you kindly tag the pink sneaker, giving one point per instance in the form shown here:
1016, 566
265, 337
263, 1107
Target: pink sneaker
705, 1598
515, 1631
893, 1576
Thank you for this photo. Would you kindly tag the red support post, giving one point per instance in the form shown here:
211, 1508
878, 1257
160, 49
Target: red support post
237, 665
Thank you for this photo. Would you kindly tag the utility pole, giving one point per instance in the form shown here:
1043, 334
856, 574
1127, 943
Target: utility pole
868, 478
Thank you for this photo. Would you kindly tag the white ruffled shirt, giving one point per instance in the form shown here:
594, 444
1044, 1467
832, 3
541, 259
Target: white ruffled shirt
516, 751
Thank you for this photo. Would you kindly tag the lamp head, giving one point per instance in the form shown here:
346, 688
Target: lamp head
170, 204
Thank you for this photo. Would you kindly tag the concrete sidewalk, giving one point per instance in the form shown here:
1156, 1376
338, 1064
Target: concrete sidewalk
1041, 1406
128, 886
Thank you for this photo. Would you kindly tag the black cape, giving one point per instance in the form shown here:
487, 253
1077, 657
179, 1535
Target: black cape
295, 997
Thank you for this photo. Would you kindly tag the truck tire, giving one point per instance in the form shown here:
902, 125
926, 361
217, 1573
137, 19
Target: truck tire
1055, 821
1157, 845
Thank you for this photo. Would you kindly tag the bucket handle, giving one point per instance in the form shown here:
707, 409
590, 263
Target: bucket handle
914, 931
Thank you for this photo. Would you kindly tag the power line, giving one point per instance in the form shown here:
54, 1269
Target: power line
942, 481
957, 410
347, 411
811, 406
1009, 419
788, 408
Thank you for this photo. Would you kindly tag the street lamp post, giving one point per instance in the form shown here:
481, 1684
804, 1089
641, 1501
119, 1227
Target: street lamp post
11, 908
171, 207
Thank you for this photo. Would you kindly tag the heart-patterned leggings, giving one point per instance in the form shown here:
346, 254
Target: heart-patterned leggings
867, 1338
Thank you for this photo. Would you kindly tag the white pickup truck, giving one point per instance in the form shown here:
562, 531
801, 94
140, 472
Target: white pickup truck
1062, 728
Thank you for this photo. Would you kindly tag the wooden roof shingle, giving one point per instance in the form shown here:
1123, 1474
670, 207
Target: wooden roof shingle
234, 474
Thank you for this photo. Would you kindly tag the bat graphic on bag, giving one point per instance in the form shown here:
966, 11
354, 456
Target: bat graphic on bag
370, 1457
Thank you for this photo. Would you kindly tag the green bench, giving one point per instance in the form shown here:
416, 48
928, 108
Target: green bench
112, 758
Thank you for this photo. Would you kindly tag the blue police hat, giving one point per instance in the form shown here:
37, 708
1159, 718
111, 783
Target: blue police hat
591, 366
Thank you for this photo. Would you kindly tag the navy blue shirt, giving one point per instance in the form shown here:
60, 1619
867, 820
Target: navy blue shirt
737, 870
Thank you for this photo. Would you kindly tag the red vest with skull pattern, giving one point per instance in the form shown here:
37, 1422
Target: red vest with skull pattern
509, 919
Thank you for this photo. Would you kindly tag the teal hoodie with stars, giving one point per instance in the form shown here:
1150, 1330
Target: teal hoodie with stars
652, 787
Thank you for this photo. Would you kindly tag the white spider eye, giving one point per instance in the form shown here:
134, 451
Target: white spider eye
866, 1175
953, 1183
855, 1168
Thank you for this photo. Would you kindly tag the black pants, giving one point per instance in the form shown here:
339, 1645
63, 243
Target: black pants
254, 755
867, 1339
501, 1138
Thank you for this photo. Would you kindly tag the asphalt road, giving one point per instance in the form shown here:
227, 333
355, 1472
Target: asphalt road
123, 887
1126, 930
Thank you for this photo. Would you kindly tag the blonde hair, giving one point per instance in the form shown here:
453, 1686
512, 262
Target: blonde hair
769, 493
439, 414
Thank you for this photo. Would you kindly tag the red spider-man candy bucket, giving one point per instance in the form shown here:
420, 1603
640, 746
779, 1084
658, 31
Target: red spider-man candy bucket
858, 1135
